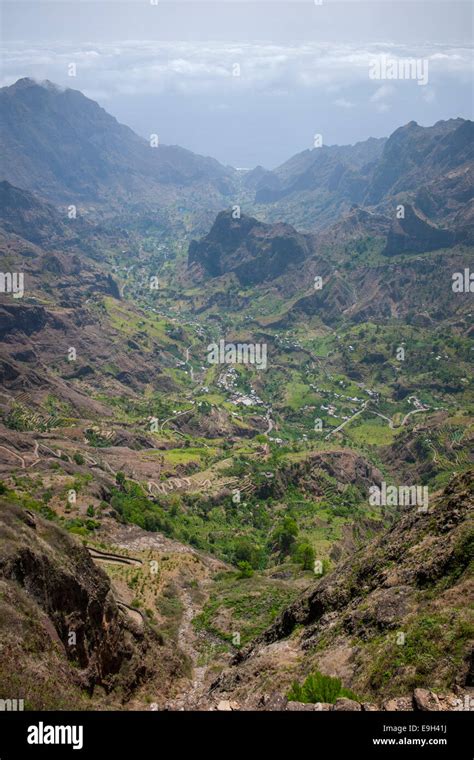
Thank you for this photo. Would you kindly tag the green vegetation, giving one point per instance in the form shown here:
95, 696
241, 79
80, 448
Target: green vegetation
235, 606
319, 688
245, 569
133, 506
419, 661
21, 418
305, 556
258, 532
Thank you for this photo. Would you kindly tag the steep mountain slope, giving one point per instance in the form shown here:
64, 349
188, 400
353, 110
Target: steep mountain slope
413, 156
66, 637
414, 234
25, 215
335, 168
58, 335
415, 164
414, 580
63, 146
70, 333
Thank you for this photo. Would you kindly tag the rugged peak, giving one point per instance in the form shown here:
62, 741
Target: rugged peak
231, 231
21, 84
254, 251
26, 83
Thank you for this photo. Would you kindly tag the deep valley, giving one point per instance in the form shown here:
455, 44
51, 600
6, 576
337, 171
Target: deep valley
181, 533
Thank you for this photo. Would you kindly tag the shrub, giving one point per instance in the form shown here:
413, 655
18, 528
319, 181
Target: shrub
319, 688
246, 551
245, 570
304, 555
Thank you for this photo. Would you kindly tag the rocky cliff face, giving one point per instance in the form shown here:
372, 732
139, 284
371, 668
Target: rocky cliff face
391, 618
63, 634
413, 234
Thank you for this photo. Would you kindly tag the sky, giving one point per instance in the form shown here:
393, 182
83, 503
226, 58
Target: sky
250, 83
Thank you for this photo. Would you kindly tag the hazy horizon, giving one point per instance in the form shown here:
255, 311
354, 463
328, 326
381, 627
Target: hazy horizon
169, 69
248, 168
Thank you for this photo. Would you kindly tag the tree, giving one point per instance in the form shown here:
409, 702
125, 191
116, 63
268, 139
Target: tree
304, 555
283, 537
246, 552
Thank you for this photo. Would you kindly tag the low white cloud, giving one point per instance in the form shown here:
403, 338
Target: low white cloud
144, 67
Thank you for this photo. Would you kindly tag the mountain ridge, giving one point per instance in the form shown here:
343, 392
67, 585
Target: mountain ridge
76, 150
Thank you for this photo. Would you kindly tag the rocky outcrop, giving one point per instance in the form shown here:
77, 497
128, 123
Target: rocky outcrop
20, 318
71, 620
425, 700
421, 700
413, 234
345, 466
253, 251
